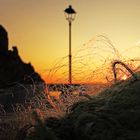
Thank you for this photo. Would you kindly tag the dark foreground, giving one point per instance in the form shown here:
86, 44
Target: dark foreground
112, 115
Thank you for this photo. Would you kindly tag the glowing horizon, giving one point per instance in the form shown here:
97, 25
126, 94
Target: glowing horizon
40, 30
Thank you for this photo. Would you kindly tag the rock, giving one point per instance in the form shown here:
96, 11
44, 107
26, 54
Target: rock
12, 68
18, 80
3, 40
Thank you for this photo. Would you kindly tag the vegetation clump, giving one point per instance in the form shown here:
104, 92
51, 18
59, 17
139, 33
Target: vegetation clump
111, 115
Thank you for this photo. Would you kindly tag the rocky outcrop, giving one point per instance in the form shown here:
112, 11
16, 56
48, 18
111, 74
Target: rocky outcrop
3, 40
12, 68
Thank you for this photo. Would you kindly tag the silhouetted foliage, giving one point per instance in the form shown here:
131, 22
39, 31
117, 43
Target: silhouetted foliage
111, 115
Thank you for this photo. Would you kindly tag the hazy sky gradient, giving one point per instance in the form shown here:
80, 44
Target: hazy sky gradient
40, 31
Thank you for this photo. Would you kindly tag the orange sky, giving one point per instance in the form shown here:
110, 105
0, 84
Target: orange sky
39, 29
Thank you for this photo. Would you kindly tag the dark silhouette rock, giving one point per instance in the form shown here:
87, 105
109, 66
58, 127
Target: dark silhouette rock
3, 40
18, 80
12, 68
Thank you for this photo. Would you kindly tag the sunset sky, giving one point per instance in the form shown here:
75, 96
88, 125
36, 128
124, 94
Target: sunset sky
40, 31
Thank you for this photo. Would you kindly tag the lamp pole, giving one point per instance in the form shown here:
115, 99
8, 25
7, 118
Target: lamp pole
70, 16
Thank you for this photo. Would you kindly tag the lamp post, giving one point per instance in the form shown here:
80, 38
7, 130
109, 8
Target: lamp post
70, 16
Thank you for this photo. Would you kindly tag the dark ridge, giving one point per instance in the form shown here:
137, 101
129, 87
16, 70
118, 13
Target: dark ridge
12, 68
16, 76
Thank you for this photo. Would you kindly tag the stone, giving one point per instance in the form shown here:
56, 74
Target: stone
3, 40
12, 68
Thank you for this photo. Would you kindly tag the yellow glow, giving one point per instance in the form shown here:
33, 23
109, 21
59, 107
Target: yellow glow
124, 77
40, 30
55, 94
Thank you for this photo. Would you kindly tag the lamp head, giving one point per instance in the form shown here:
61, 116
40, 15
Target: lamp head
70, 13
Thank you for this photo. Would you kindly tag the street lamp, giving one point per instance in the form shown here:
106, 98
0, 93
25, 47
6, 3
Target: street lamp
70, 16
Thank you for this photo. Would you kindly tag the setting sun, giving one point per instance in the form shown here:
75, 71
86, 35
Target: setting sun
40, 30
69, 69
124, 77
